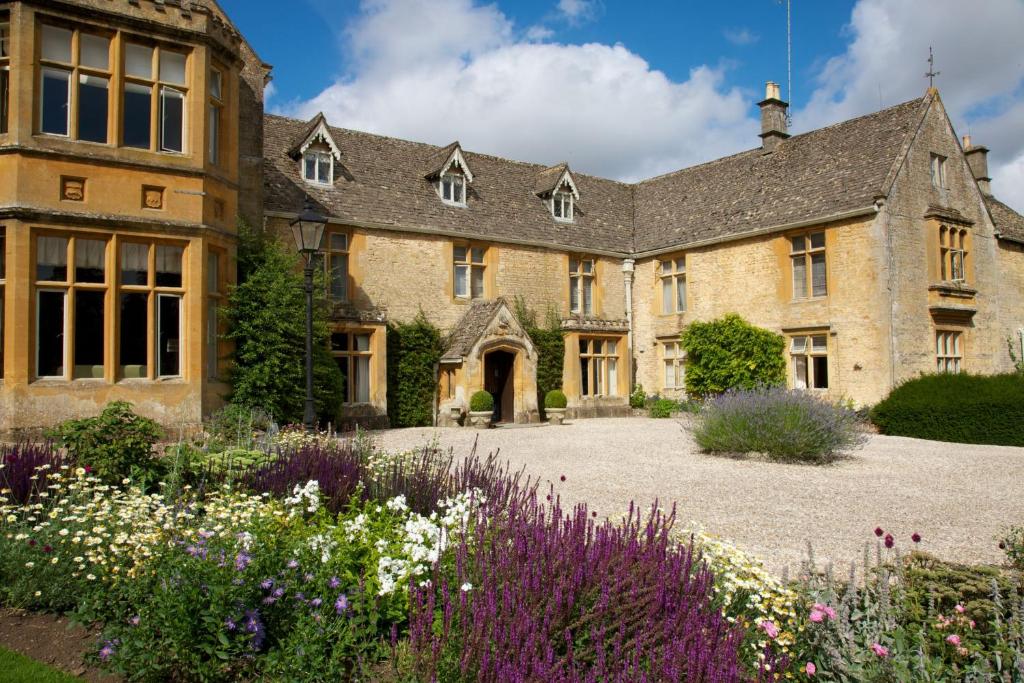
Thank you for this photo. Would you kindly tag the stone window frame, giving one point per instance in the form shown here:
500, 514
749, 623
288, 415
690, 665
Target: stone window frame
154, 293
352, 353
808, 358
473, 264
582, 285
805, 252
937, 170
953, 253
672, 281
673, 363
949, 351
5, 80
599, 368
70, 288
451, 187
76, 72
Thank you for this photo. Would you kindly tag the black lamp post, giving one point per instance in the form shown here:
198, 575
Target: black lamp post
308, 231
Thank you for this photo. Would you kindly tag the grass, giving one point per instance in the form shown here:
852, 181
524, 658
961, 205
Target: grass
16, 668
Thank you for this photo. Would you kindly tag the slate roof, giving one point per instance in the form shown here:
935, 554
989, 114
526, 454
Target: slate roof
380, 183
469, 328
828, 172
1009, 224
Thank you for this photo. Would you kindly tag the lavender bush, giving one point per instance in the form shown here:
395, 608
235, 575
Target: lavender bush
785, 425
538, 593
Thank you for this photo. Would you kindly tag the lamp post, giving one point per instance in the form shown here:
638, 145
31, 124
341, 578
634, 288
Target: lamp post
308, 231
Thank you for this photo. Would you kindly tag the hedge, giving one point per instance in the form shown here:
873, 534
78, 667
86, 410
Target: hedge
414, 348
982, 409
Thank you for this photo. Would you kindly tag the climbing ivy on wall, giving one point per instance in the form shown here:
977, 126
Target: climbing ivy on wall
549, 341
731, 353
414, 348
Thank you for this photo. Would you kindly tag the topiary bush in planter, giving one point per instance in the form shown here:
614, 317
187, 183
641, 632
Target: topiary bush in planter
555, 399
481, 401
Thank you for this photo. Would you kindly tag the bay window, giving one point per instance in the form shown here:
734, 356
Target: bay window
599, 366
952, 254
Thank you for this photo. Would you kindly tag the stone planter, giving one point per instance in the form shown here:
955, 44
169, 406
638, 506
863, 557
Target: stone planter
556, 416
480, 419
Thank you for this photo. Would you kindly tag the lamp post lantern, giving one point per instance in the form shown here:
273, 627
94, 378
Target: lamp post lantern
308, 231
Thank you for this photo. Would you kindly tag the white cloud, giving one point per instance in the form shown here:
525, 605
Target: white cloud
576, 11
977, 52
457, 70
740, 36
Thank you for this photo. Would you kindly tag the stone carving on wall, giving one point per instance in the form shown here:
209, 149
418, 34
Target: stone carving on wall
72, 189
152, 197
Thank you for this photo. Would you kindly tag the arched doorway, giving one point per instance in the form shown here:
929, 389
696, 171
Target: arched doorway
499, 380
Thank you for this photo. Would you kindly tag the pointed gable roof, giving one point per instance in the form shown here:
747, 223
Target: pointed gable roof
315, 131
552, 178
446, 157
490, 317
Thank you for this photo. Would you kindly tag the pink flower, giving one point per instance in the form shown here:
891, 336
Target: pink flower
880, 650
816, 616
769, 628
972, 623
878, 531
889, 541
959, 609
810, 668
953, 639
915, 537
829, 612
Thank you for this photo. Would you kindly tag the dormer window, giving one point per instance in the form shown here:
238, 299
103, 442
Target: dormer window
453, 189
318, 167
561, 206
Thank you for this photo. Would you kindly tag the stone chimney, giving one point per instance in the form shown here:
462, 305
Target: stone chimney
977, 159
773, 117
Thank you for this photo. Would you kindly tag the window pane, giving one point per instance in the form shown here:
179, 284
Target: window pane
172, 120
323, 163
134, 325
216, 81
588, 266
56, 44
681, 265
361, 381
214, 131
680, 293
446, 188
613, 377
819, 343
478, 254
134, 264
670, 374
610, 347
669, 350
50, 335
172, 67
89, 260
588, 296
584, 346
93, 102
798, 244
95, 51
138, 61
89, 331
799, 277
680, 375
461, 281
574, 265
819, 281
362, 342
666, 267
477, 283
168, 266
820, 372
556, 206
339, 277
54, 107
52, 259
585, 376
168, 335
666, 295
957, 265
598, 346
138, 101
574, 294
800, 372
310, 167
213, 272
3, 260
460, 254
342, 363
598, 368
799, 344
339, 341
5, 96
339, 241
5, 37
818, 240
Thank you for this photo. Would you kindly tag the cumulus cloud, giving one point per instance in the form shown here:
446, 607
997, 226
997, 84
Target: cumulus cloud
576, 11
459, 70
981, 81
740, 36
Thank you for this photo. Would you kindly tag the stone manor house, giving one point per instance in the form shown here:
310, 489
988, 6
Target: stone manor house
133, 140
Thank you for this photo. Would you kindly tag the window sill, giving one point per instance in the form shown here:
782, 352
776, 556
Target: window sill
953, 288
677, 314
455, 205
809, 299
565, 221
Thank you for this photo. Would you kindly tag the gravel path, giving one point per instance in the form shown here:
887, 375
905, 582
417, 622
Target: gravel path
958, 497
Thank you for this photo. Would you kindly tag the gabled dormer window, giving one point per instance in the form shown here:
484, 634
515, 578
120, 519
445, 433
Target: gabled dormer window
452, 187
318, 167
561, 206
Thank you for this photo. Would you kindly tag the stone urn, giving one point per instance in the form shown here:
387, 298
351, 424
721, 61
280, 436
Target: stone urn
556, 416
481, 419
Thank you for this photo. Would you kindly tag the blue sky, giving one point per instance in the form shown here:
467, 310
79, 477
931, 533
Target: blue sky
632, 89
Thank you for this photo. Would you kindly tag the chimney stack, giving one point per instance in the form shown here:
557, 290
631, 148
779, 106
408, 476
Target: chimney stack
977, 159
773, 117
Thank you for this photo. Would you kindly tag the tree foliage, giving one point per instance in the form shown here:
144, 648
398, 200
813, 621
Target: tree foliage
266, 313
414, 349
730, 353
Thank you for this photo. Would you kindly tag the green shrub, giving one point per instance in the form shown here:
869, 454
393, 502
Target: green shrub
234, 425
662, 407
555, 399
784, 425
481, 401
638, 399
414, 348
1013, 545
956, 407
730, 353
549, 342
116, 444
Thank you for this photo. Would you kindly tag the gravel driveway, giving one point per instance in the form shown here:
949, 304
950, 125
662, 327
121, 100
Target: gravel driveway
958, 497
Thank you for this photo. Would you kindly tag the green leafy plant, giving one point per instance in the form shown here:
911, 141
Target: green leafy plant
267, 323
116, 444
1012, 346
481, 401
638, 398
1012, 543
555, 399
662, 407
548, 340
414, 348
235, 425
730, 353
962, 408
